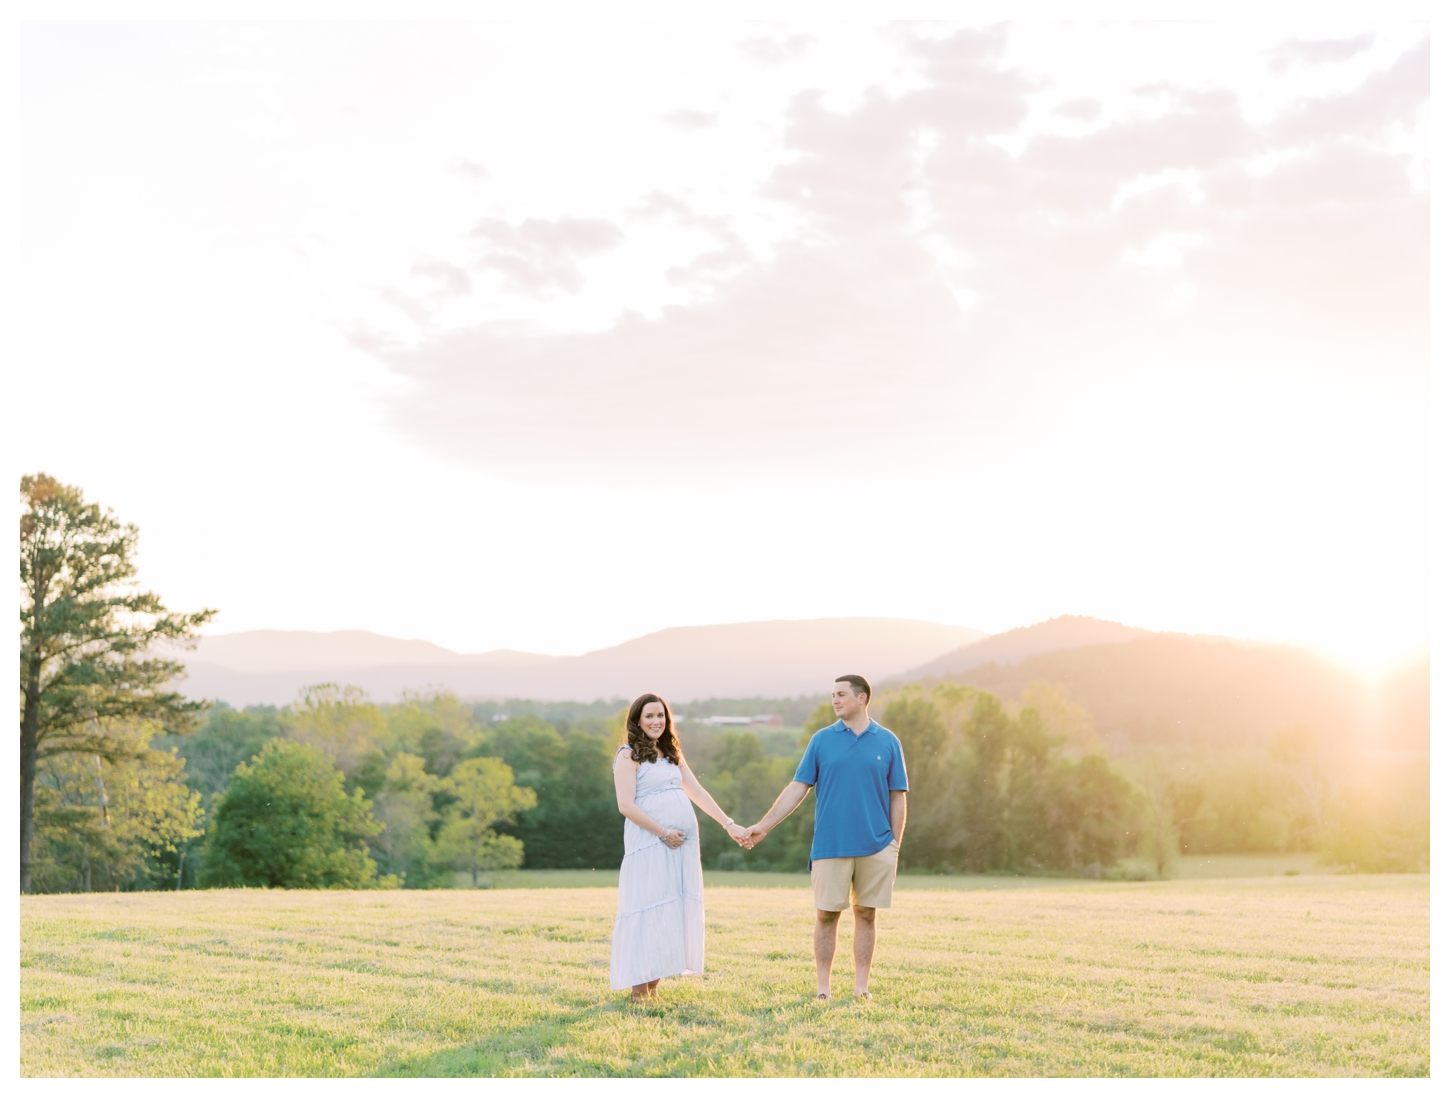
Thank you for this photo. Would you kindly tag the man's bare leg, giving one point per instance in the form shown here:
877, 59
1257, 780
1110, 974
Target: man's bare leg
864, 946
826, 923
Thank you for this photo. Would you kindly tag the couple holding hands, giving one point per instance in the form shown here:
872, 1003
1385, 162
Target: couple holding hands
859, 775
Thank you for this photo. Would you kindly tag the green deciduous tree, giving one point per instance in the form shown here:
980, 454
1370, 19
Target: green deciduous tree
286, 821
341, 723
576, 823
1162, 802
436, 727
1312, 783
406, 806
821, 717
996, 791
211, 754
113, 824
229, 736
487, 797
88, 640
1092, 814
921, 727
978, 842
1061, 716
1234, 801
745, 782
1380, 820
918, 724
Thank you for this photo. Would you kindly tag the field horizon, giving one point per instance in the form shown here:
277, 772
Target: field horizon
1231, 976
1134, 871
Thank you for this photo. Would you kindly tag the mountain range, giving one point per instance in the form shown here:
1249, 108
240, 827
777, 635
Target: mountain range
1140, 687
1215, 693
748, 659
1061, 634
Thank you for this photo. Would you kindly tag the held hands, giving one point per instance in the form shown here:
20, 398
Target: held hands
741, 835
747, 836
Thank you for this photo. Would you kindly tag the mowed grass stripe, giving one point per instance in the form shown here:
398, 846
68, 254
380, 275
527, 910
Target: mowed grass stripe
1302, 976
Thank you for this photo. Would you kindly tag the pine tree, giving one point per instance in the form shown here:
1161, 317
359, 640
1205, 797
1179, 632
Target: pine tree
89, 668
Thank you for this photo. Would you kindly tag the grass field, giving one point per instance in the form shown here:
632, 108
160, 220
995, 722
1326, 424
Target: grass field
1304, 975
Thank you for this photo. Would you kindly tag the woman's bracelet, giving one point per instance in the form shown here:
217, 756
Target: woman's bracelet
728, 823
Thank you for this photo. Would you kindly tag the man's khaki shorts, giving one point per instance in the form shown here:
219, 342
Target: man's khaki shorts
869, 878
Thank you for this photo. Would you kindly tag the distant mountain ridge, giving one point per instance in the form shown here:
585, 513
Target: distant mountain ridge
270, 650
746, 659
1058, 634
1216, 693
1140, 687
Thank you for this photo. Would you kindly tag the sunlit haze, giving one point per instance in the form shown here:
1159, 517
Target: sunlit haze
545, 337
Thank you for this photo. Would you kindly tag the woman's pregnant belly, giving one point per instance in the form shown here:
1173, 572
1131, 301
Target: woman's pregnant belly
669, 808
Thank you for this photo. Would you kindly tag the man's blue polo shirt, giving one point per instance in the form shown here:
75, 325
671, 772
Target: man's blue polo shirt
853, 776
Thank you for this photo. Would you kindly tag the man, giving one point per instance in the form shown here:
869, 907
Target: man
859, 774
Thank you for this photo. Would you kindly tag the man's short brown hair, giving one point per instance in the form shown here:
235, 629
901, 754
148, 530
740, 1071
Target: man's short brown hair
859, 685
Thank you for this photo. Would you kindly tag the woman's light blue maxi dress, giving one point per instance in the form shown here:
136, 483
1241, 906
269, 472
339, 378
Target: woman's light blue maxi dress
660, 929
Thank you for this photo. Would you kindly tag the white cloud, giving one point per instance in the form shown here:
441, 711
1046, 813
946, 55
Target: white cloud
931, 271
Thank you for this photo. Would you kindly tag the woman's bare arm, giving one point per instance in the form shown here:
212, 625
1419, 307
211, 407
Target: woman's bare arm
697, 793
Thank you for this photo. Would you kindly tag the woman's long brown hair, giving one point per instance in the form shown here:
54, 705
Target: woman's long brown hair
641, 747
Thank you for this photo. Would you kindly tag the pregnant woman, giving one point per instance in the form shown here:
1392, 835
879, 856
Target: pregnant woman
660, 930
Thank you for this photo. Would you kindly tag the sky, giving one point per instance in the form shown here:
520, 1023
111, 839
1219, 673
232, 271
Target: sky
545, 336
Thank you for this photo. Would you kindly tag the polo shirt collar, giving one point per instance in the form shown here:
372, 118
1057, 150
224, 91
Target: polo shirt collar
871, 726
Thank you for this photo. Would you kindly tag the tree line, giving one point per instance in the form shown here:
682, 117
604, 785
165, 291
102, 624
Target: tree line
336, 791
125, 784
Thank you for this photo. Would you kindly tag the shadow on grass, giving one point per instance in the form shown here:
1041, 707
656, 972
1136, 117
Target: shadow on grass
539, 1047
527, 1049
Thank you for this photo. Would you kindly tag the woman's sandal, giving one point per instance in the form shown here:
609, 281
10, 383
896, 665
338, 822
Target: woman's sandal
822, 995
